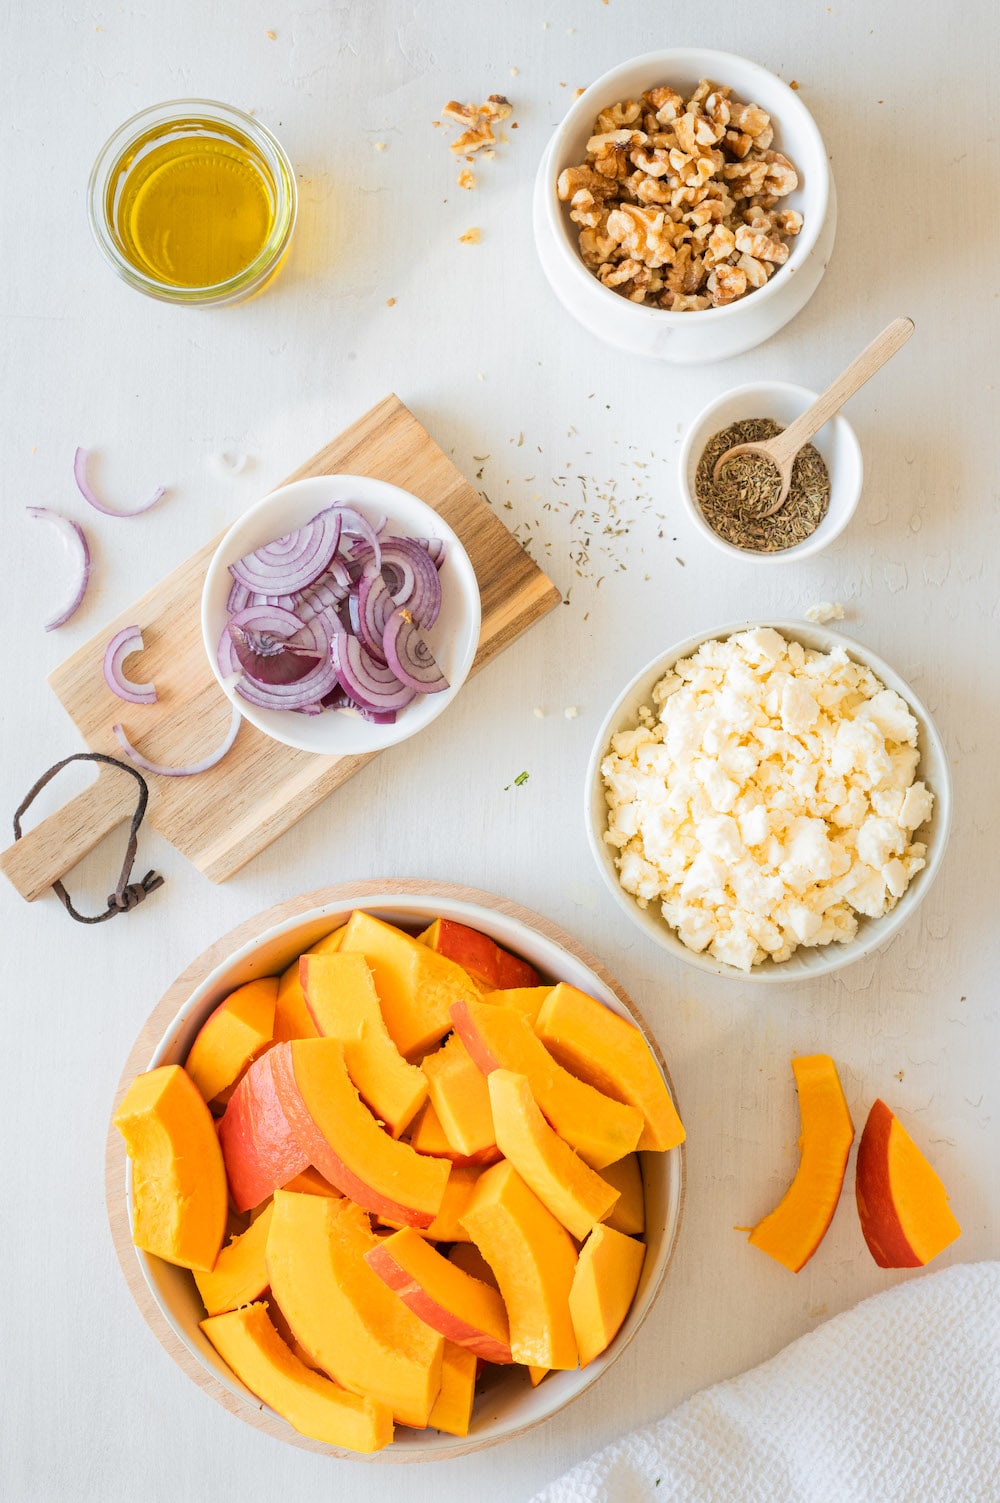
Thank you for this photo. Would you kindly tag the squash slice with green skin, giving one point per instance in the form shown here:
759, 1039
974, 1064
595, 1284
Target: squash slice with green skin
795, 1228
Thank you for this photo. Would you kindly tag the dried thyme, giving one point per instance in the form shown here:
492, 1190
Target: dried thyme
733, 505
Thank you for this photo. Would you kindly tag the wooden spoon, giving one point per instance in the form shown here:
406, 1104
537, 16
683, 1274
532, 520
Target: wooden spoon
781, 450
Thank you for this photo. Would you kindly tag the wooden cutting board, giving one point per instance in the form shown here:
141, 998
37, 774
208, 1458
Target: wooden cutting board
222, 818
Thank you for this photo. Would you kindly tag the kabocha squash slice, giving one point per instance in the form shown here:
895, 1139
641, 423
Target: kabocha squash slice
902, 1204
343, 1004
310, 1402
794, 1229
179, 1195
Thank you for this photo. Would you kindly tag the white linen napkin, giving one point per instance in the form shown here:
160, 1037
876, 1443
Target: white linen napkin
895, 1401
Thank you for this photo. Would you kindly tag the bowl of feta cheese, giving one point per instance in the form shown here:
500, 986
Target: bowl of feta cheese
768, 800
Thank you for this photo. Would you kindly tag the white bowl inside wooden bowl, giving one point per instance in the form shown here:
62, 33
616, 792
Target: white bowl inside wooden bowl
804, 964
265, 945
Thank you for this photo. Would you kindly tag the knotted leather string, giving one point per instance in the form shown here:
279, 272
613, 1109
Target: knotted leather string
127, 895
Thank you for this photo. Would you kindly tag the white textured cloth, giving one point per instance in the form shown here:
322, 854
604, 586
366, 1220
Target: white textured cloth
895, 1401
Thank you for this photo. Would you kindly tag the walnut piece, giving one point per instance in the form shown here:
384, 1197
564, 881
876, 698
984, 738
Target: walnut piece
678, 199
478, 120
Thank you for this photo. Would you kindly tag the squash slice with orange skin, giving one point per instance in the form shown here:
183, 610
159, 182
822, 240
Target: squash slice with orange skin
343, 1004
310, 1402
352, 1326
462, 1308
179, 1197
902, 1204
611, 1054
232, 1036
601, 1130
534, 1258
794, 1229
240, 1272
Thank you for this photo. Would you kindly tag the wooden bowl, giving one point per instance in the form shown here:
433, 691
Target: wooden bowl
265, 945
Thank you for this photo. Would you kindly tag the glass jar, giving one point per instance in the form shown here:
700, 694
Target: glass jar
193, 202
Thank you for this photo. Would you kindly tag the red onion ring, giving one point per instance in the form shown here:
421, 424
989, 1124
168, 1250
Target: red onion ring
181, 772
80, 476
412, 579
355, 525
408, 655
291, 562
370, 684
122, 646
75, 540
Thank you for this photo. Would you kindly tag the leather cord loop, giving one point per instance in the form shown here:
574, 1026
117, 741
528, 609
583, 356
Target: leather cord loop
127, 895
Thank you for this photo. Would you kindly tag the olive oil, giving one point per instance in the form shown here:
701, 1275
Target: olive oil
192, 203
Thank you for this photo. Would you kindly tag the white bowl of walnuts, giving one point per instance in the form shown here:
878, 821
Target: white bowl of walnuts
685, 209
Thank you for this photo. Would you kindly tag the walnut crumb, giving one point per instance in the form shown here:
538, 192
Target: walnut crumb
272, 36
471, 237
381, 146
794, 84
466, 178
478, 120
390, 302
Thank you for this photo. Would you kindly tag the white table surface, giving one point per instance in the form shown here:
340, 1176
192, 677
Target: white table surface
478, 346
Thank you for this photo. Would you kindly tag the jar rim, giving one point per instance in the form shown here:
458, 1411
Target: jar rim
282, 173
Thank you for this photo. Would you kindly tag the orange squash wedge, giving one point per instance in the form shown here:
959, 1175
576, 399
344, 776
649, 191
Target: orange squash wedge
232, 1035
600, 1129
344, 1316
611, 1054
575, 1194
452, 1410
462, 1308
344, 1005
312, 1404
240, 1272
604, 1285
902, 1204
416, 985
179, 1194
534, 1258
461, 1100
344, 1142
792, 1232
628, 1214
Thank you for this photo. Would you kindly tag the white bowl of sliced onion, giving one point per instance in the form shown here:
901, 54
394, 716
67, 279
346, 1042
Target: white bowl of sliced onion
340, 615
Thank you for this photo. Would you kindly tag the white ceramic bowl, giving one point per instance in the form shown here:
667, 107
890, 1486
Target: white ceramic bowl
780, 400
803, 964
714, 333
169, 1299
453, 639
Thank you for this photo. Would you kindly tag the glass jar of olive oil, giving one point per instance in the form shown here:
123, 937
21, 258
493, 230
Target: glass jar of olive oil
193, 202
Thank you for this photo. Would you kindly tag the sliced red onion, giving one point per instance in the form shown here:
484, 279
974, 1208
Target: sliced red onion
268, 659
80, 475
315, 638
355, 525
239, 597
291, 562
375, 605
122, 646
376, 717
181, 772
370, 684
436, 549
75, 541
408, 655
412, 579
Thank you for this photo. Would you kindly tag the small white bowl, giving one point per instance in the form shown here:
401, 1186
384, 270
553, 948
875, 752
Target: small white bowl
803, 964
780, 400
453, 639
167, 1295
714, 333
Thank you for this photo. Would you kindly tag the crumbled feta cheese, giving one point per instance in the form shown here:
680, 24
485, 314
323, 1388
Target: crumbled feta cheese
824, 611
767, 798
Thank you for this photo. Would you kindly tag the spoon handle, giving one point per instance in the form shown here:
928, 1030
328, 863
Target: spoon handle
786, 445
